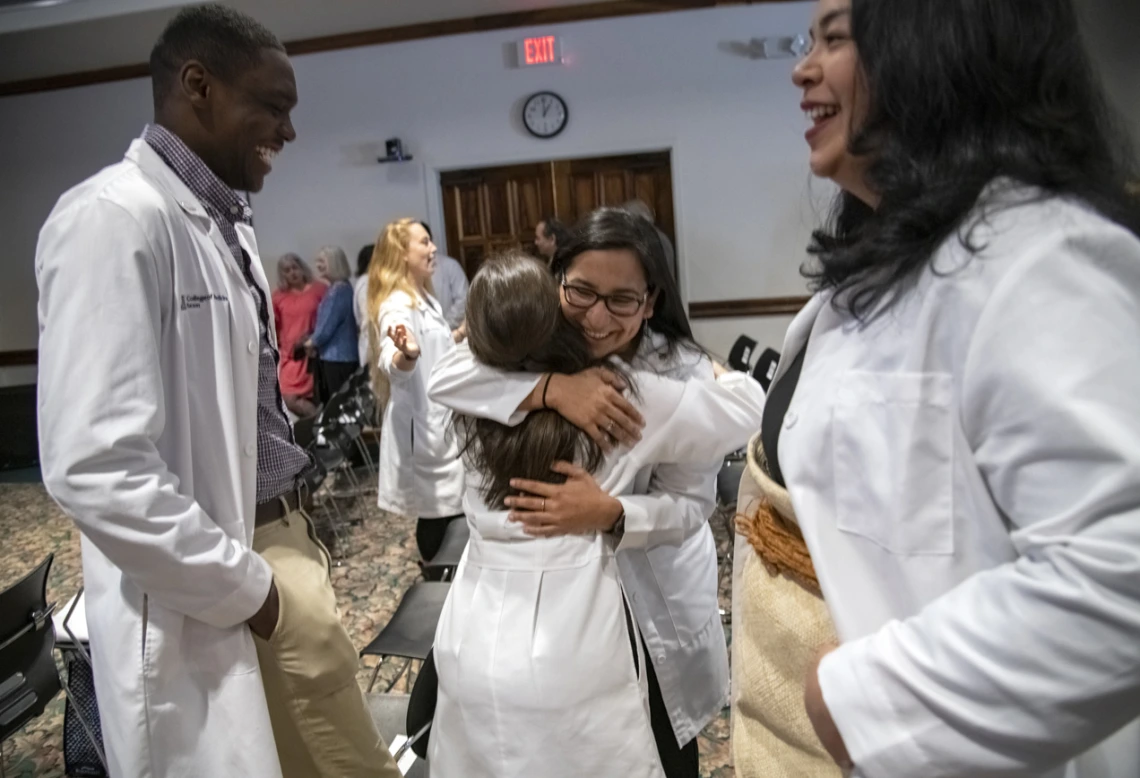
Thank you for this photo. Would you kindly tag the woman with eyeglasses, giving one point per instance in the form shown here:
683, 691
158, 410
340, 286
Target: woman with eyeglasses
616, 288
540, 669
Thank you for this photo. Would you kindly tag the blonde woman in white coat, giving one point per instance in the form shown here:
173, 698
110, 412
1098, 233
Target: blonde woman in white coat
962, 448
420, 472
535, 652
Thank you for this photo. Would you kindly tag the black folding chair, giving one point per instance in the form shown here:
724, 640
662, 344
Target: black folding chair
442, 566
765, 369
740, 357
28, 675
410, 632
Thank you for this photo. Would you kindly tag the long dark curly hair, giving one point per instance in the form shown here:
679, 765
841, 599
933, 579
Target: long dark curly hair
963, 92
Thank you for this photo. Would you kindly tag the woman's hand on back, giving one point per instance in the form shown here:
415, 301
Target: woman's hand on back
578, 506
593, 402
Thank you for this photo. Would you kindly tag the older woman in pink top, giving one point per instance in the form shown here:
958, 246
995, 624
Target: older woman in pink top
295, 303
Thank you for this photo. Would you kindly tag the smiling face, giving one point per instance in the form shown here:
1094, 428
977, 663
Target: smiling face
421, 254
616, 273
835, 102
247, 120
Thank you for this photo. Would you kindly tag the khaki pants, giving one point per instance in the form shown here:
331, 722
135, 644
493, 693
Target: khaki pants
320, 720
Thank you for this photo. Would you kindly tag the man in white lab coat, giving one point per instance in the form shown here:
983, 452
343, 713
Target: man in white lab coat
217, 650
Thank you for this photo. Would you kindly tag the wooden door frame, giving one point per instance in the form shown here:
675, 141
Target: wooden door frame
434, 190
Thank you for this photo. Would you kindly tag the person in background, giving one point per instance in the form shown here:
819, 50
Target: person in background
449, 282
549, 234
641, 208
957, 415
360, 302
420, 471
334, 338
295, 303
216, 644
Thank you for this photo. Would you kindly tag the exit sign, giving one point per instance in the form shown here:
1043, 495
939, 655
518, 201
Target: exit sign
544, 50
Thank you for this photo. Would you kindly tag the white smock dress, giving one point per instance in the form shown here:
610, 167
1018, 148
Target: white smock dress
420, 472
534, 652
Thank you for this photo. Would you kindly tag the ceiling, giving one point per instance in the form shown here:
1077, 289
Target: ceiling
80, 35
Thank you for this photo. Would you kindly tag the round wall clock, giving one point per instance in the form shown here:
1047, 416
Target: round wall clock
545, 114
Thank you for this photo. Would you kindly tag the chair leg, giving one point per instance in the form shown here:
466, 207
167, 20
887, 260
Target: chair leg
366, 456
375, 673
407, 664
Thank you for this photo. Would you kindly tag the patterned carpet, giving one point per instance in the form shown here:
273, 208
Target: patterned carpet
378, 567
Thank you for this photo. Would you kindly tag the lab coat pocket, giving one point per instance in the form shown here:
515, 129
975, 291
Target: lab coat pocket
892, 450
219, 651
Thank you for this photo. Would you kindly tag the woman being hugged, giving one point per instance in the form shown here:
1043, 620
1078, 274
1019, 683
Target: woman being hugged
540, 668
420, 471
617, 289
957, 416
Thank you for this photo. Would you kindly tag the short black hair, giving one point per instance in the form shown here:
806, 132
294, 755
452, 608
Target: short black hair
226, 42
552, 228
364, 258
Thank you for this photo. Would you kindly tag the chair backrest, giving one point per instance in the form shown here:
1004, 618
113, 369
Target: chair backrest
28, 675
766, 365
304, 431
740, 358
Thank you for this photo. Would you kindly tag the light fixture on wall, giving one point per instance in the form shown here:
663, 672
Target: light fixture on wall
394, 148
786, 47
21, 5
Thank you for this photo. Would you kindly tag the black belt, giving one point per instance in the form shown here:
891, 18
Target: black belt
280, 507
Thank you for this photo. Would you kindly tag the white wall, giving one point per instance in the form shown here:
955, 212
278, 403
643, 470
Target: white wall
743, 197
640, 83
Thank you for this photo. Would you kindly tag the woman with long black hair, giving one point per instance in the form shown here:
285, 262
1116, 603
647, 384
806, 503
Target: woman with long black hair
540, 668
957, 417
618, 291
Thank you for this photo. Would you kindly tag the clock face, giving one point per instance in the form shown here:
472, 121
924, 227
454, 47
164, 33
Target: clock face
545, 114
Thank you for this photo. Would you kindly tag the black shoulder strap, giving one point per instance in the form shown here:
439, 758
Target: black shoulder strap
775, 408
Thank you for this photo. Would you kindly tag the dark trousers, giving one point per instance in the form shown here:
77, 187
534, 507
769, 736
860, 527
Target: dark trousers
332, 376
429, 535
677, 761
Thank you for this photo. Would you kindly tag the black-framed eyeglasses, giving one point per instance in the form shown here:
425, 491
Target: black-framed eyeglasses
619, 303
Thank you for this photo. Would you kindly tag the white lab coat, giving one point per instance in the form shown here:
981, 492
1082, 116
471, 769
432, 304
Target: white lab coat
360, 313
536, 675
667, 556
449, 282
966, 473
147, 396
420, 472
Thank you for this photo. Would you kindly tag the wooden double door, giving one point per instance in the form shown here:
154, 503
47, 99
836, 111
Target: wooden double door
490, 209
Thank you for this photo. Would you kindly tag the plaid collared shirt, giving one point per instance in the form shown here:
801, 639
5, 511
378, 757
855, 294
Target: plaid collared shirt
280, 461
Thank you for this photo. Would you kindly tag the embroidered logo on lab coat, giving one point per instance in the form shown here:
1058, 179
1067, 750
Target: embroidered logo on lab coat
193, 301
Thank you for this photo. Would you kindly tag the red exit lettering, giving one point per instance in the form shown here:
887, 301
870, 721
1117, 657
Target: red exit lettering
539, 51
